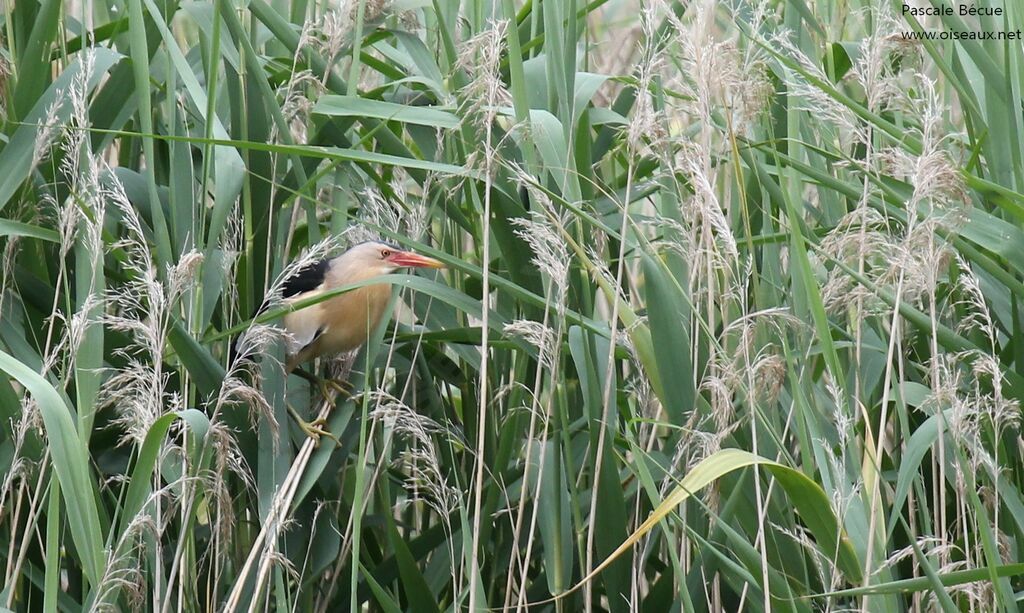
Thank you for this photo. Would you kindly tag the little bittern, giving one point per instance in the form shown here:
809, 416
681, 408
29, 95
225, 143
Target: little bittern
341, 323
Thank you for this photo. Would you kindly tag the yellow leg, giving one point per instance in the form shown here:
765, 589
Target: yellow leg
313, 429
325, 385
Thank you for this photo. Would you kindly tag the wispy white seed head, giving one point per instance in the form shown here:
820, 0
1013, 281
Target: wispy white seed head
182, 275
480, 58
536, 334
298, 95
550, 253
47, 129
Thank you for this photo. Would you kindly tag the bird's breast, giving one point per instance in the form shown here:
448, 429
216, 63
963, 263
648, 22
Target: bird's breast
350, 318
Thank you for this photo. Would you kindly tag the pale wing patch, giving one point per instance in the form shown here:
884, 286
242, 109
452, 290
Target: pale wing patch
304, 325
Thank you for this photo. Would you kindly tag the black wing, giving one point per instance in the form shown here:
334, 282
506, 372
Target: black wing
305, 279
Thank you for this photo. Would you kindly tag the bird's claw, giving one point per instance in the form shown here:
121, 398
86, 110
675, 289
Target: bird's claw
326, 385
315, 429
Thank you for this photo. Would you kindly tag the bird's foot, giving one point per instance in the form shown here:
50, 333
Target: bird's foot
315, 429
325, 385
340, 389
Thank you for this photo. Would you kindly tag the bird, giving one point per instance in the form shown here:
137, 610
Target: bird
340, 323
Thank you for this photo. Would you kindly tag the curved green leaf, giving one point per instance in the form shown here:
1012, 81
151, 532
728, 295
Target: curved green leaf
70, 462
139, 485
806, 495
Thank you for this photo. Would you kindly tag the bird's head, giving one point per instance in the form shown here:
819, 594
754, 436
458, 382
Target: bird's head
382, 258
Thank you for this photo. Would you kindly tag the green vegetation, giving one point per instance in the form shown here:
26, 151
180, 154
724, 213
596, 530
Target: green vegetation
732, 318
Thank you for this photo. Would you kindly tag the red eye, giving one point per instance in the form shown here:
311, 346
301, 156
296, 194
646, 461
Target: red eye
385, 253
